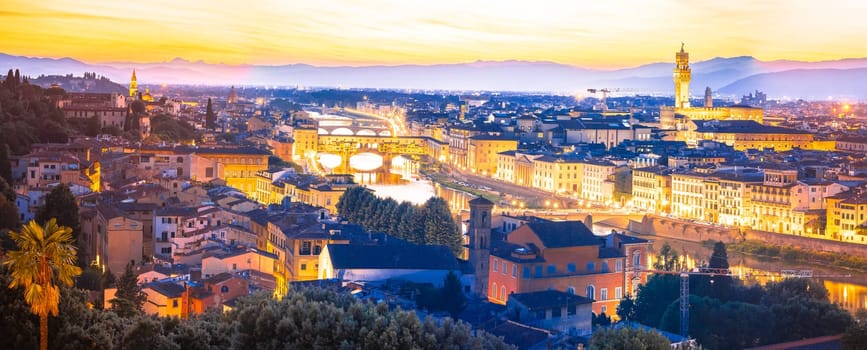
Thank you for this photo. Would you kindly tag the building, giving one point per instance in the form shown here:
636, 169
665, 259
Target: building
565, 256
483, 150
596, 184
558, 175
133, 86
846, 220
382, 262
746, 134
678, 116
651, 189
554, 310
479, 250
164, 299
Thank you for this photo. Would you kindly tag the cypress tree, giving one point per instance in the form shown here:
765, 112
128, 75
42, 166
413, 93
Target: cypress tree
210, 117
5, 164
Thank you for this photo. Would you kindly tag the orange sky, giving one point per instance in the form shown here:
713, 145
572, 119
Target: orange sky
608, 34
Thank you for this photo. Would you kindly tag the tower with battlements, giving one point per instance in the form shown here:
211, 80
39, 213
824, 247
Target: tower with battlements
682, 76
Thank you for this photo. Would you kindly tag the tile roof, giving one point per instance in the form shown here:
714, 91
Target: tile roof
548, 299
410, 256
561, 234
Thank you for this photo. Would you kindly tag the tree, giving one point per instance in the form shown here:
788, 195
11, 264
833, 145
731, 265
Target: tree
439, 225
5, 164
626, 338
626, 308
61, 205
453, 298
719, 287
653, 297
210, 117
129, 298
855, 337
45, 253
8, 222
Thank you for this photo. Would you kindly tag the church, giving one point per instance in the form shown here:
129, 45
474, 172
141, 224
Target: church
679, 116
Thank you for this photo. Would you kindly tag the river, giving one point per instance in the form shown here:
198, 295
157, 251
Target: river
849, 292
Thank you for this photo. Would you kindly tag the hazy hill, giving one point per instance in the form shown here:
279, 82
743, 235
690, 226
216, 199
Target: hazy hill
731, 76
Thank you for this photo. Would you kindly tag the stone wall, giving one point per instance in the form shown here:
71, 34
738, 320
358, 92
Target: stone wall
684, 230
807, 242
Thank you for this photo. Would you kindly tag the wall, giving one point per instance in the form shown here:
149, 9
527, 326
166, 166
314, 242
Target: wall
680, 229
807, 242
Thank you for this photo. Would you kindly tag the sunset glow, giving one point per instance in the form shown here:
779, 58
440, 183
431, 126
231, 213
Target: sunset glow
595, 34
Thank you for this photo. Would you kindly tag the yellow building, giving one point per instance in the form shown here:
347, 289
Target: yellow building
596, 184
687, 195
237, 166
678, 116
558, 175
306, 142
772, 206
746, 134
506, 166
133, 86
268, 189
734, 197
651, 189
846, 217
482, 153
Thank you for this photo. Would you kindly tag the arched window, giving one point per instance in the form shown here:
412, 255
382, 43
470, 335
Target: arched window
570, 290
503, 293
636, 258
591, 292
224, 289
494, 290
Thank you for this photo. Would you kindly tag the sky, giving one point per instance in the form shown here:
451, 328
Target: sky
594, 33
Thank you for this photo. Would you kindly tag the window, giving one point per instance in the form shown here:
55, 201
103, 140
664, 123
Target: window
538, 272
618, 266
224, 289
526, 272
494, 291
591, 292
636, 258
552, 269
556, 312
591, 266
496, 265
503, 293
604, 266
514, 271
505, 268
618, 293
570, 309
605, 309
303, 267
570, 290
571, 267
234, 266
174, 302
603, 294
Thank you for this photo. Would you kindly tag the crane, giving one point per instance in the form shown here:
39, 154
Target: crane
606, 91
705, 271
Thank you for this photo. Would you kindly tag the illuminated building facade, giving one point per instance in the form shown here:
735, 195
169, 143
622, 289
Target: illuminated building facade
651, 189
746, 134
482, 153
566, 256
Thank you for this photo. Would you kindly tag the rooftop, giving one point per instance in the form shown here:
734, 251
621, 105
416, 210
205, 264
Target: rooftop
548, 299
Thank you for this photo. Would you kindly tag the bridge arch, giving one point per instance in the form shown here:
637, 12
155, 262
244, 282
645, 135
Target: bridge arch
342, 131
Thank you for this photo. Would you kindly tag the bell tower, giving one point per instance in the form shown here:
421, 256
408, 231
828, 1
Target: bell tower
480, 242
133, 86
682, 76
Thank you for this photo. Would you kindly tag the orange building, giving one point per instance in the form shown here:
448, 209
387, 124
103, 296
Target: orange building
566, 256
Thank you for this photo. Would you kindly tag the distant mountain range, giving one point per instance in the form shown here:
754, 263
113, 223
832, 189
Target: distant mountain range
728, 77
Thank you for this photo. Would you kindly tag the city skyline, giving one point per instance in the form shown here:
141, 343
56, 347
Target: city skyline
343, 33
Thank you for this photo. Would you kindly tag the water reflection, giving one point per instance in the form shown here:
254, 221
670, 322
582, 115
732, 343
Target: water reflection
850, 292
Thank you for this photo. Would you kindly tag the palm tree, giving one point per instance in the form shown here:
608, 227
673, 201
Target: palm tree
44, 253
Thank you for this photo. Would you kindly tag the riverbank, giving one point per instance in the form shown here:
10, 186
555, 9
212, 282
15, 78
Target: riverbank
797, 255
